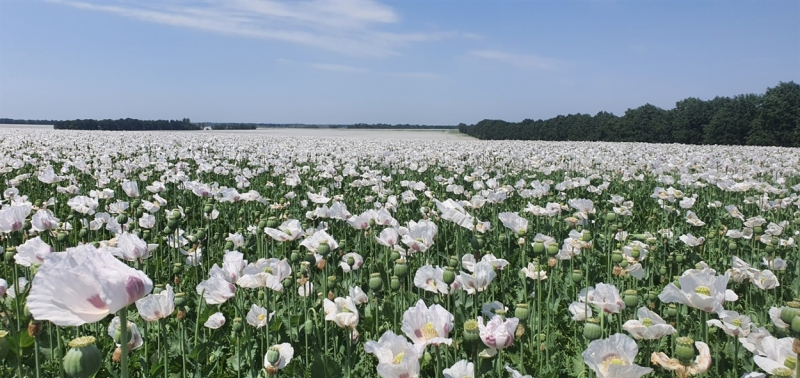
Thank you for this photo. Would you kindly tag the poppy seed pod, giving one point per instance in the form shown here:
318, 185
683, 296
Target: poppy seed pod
672, 310
577, 276
448, 276
631, 298
790, 312
180, 299
323, 247
471, 332
83, 360
452, 261
273, 355
400, 268
538, 248
616, 256
237, 325
308, 327
62, 236
684, 350
477, 242
591, 329
521, 311
375, 281
294, 256
394, 283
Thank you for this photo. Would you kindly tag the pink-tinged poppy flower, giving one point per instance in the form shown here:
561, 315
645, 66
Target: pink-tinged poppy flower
605, 298
131, 248
44, 220
135, 342
497, 333
13, 217
431, 279
3, 287
32, 252
84, 285
265, 273
396, 356
319, 237
613, 357
427, 326
215, 321
289, 230
157, 306
477, 281
216, 290
233, 263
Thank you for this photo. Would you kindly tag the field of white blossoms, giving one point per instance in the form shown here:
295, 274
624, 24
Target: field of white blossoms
210, 255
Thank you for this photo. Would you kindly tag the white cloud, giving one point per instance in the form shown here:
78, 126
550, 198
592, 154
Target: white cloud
348, 27
527, 61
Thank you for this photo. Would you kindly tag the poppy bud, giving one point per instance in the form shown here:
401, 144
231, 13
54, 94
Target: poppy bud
83, 360
477, 242
237, 325
449, 276
591, 329
308, 327
375, 282
684, 350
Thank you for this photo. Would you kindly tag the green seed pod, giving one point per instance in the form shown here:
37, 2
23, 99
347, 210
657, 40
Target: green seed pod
323, 248
238, 327
521, 311
672, 310
61, 236
158, 288
790, 312
477, 242
177, 268
207, 209
758, 230
287, 283
394, 283
200, 234
631, 298
394, 255
662, 270
586, 235
639, 237
122, 219
616, 256
452, 261
83, 360
136, 203
310, 258
331, 280
591, 329
273, 355
167, 231
228, 246
172, 223
471, 332
623, 263
684, 350
139, 212
294, 256
552, 249
449, 276
611, 216
679, 257
538, 248
652, 295
272, 222
796, 324
400, 268
180, 299
732, 246
308, 327
118, 335
502, 238
375, 282
577, 276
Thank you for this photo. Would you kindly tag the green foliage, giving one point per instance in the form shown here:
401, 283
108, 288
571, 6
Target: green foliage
772, 119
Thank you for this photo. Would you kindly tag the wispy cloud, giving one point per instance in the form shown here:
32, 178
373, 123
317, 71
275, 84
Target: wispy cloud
527, 61
350, 27
344, 68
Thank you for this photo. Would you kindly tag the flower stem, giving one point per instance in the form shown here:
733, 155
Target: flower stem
123, 331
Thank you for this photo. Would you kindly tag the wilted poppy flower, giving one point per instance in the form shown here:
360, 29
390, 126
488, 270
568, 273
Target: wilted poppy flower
701, 363
84, 285
277, 357
133, 332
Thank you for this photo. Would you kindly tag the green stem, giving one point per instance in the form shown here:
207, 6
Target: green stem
123, 331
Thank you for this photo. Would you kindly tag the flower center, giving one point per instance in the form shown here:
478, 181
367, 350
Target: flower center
612, 360
790, 362
647, 322
782, 372
705, 290
429, 332
398, 358
737, 322
268, 270
261, 317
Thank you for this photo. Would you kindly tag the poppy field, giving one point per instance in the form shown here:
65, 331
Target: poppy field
213, 255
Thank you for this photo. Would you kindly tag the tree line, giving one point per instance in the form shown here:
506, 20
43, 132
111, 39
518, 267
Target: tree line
769, 119
10, 121
127, 124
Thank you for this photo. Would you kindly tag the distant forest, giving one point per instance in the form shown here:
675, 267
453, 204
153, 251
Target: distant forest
127, 124
771, 119
9, 121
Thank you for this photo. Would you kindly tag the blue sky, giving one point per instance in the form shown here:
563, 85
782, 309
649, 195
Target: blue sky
410, 61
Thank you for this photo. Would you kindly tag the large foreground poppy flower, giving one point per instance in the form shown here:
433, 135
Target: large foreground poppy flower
84, 285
